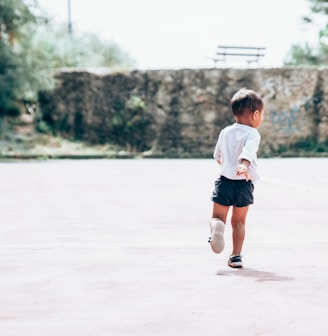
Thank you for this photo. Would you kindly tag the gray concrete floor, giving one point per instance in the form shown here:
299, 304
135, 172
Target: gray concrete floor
119, 247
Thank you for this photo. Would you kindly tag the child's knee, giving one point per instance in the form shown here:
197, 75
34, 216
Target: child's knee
238, 224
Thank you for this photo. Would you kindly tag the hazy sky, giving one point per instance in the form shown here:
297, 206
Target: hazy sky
173, 34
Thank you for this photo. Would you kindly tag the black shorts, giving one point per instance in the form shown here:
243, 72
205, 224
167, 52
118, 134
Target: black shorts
228, 192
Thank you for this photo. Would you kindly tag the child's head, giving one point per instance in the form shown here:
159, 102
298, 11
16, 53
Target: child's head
247, 107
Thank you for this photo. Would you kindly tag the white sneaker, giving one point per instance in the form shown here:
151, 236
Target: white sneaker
217, 239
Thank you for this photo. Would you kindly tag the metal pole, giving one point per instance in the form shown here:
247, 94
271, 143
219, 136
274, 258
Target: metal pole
70, 30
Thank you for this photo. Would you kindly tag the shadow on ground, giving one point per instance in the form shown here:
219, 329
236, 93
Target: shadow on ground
260, 276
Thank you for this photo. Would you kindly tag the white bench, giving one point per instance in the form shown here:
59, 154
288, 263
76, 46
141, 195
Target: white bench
252, 54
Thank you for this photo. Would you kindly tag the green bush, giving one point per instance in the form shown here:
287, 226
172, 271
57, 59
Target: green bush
308, 146
131, 124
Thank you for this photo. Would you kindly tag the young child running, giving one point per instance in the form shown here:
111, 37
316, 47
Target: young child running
236, 153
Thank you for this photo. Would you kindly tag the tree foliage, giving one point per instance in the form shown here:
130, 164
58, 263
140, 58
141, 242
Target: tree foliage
16, 79
56, 49
319, 6
31, 46
305, 54
14, 15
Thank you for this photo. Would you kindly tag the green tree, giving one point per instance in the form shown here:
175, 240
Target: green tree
319, 6
31, 46
305, 54
56, 49
14, 15
16, 74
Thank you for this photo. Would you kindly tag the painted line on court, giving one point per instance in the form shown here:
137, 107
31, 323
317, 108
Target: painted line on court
292, 185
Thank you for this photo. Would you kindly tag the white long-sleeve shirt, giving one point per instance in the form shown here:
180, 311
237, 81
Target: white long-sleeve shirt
237, 142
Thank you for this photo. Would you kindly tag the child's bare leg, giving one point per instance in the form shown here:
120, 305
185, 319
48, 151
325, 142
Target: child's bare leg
238, 220
220, 212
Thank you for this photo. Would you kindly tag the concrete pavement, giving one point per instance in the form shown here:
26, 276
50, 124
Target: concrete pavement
119, 247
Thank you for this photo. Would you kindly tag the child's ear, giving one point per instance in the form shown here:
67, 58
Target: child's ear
256, 114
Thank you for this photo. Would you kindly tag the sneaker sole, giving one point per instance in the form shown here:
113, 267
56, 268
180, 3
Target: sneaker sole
217, 239
236, 264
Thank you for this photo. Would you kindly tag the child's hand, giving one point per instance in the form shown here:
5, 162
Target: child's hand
242, 169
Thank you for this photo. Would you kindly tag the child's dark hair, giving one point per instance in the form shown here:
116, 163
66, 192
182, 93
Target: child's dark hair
246, 100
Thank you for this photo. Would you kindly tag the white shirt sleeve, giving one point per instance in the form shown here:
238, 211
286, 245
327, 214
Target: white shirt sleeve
251, 146
217, 150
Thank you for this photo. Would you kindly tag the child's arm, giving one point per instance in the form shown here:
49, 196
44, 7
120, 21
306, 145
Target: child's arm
217, 150
248, 154
242, 168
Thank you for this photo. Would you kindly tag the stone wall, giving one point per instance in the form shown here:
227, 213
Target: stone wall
186, 109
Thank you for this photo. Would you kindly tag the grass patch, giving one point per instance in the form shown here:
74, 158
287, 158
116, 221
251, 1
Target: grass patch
306, 147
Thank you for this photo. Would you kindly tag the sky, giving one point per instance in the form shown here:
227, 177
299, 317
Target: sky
180, 34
